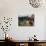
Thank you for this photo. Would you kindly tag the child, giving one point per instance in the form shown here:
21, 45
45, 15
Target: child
35, 38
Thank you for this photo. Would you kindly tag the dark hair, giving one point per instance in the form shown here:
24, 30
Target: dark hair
34, 35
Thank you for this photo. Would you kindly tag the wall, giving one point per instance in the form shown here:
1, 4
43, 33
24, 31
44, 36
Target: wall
7, 9
12, 8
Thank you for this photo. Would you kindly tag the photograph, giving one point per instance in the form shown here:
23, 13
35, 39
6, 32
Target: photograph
26, 20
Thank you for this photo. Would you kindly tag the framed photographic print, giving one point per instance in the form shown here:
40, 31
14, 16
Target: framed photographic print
26, 20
